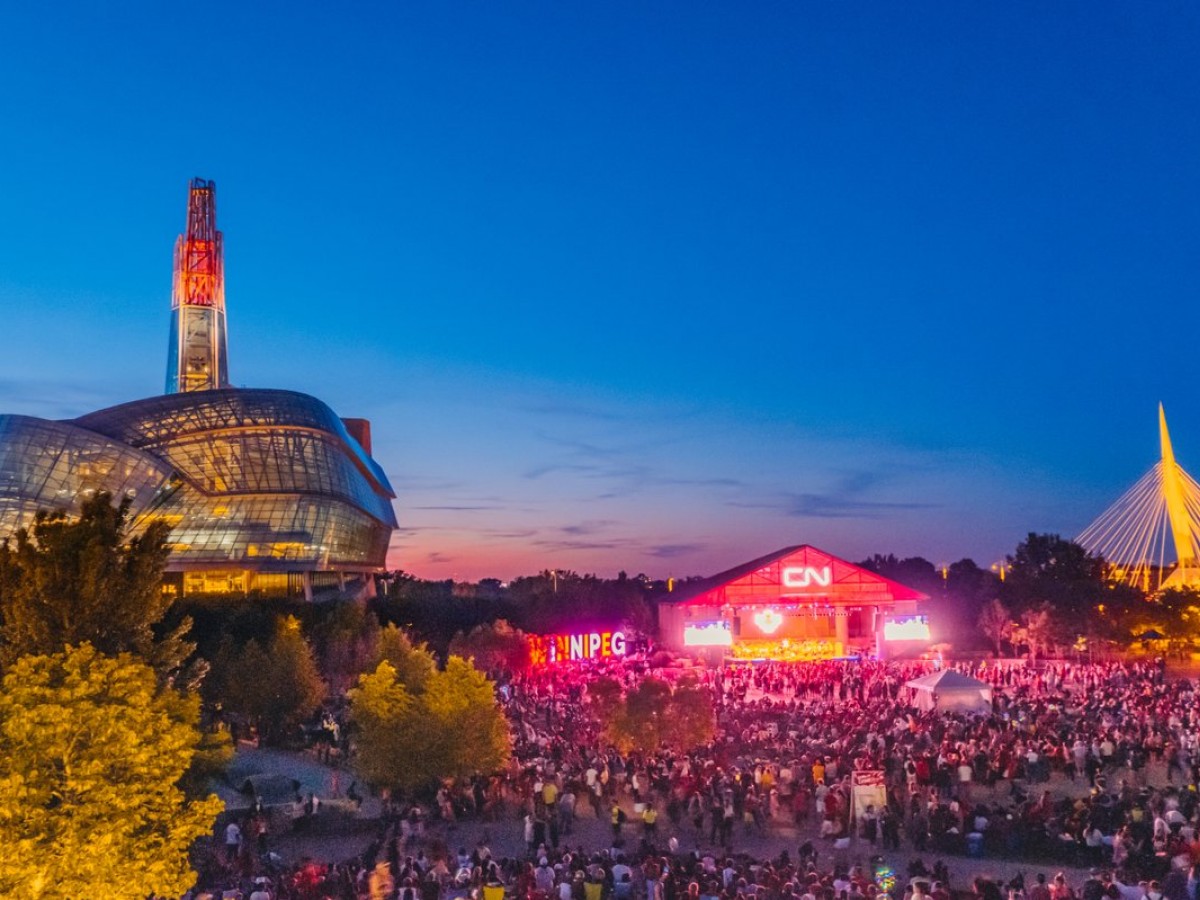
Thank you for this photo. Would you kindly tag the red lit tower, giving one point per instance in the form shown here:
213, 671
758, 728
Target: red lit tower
198, 359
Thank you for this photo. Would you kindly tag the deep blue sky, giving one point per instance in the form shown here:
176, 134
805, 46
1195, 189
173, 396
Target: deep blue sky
649, 286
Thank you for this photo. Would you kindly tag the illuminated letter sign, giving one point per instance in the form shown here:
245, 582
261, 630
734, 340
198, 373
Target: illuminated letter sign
554, 648
807, 576
768, 620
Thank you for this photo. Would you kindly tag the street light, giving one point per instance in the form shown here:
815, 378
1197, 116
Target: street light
1001, 568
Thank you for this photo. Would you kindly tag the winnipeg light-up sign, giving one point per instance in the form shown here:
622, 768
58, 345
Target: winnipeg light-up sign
545, 649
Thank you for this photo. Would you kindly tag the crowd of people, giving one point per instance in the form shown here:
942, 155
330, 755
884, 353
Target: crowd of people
1079, 765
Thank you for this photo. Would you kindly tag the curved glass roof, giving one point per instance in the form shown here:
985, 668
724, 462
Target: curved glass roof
47, 465
155, 420
263, 480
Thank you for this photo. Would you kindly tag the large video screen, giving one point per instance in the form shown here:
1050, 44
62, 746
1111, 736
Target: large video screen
715, 633
907, 628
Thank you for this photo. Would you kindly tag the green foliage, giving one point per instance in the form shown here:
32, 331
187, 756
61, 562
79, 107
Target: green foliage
64, 582
651, 714
345, 640
388, 729
276, 687
1174, 613
953, 613
914, 571
692, 719
413, 663
566, 601
604, 692
214, 753
445, 724
996, 622
468, 731
91, 755
494, 646
1060, 578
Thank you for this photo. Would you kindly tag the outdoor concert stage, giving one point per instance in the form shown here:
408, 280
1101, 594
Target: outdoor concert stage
797, 603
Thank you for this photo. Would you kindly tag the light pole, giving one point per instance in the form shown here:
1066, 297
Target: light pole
1001, 567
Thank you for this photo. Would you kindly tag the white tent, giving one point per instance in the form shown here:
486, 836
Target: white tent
950, 691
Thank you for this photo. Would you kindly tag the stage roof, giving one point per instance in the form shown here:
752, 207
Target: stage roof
800, 575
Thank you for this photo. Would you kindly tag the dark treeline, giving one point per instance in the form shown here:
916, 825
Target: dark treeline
1049, 595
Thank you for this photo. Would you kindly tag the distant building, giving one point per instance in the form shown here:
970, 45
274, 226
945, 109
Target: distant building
266, 491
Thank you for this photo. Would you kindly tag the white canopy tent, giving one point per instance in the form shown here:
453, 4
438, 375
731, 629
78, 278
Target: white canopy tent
950, 691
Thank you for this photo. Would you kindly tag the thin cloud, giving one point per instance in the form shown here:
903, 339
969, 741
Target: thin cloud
835, 506
672, 551
585, 528
451, 508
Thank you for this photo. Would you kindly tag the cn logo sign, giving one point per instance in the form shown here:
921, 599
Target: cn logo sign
807, 576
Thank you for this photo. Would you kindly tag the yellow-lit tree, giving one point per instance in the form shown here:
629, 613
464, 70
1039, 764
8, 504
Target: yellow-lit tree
388, 728
91, 755
414, 663
447, 725
471, 731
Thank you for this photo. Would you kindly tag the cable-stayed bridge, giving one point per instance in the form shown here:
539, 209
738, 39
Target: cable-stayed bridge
1151, 535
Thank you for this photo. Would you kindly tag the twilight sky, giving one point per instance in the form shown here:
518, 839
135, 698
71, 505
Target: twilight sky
647, 286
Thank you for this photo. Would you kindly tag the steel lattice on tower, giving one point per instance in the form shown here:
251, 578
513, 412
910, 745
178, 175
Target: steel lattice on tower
197, 359
1161, 512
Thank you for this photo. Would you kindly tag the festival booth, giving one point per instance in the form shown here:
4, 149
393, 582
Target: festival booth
950, 691
799, 603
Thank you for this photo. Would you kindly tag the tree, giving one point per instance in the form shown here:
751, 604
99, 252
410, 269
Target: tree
638, 721
447, 726
91, 754
1059, 577
275, 688
383, 714
1046, 568
691, 716
65, 582
1174, 612
414, 663
968, 589
1038, 631
345, 638
469, 731
494, 646
652, 714
913, 572
996, 622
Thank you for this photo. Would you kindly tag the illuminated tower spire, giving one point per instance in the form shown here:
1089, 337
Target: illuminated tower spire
1177, 511
197, 357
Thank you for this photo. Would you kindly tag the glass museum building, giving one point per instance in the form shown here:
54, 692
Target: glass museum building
266, 491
